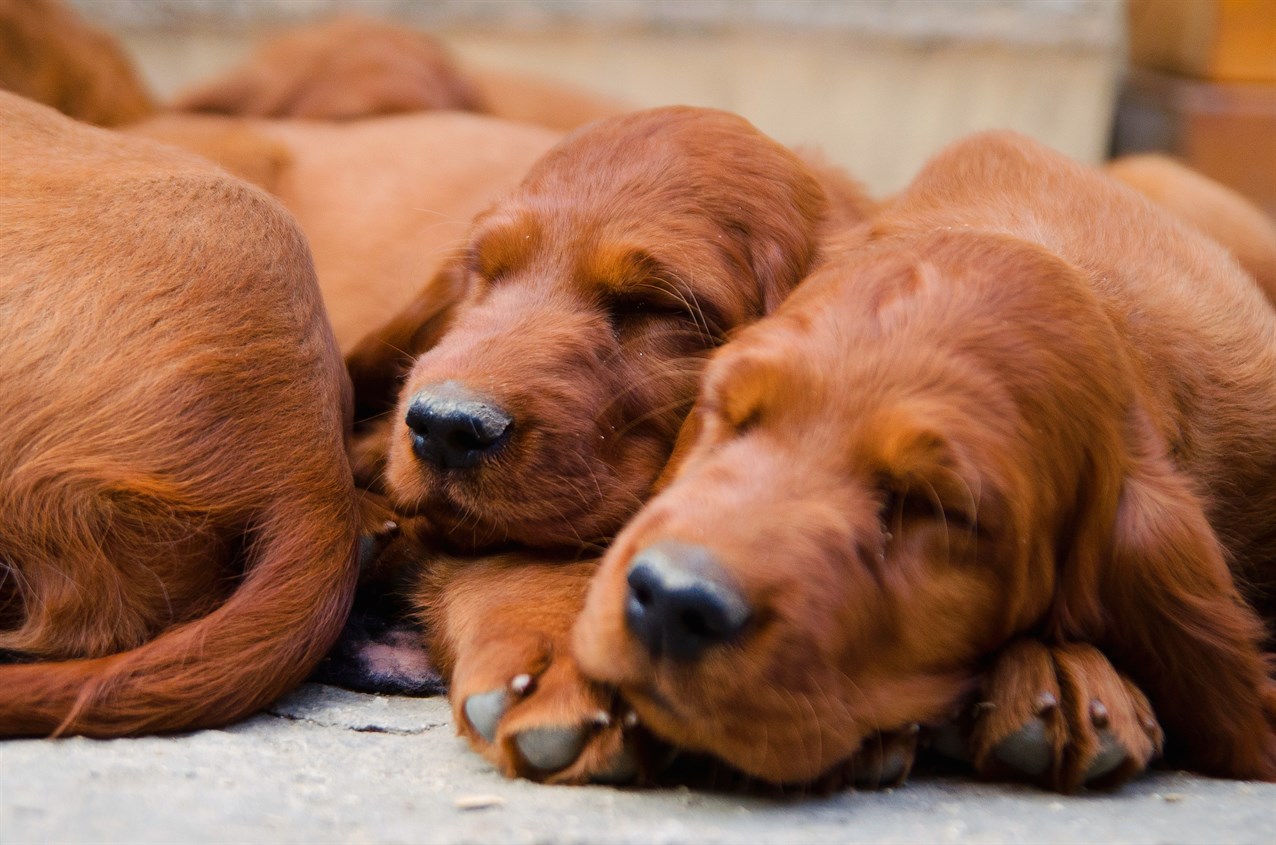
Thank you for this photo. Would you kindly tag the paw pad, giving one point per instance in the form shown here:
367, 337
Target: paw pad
550, 749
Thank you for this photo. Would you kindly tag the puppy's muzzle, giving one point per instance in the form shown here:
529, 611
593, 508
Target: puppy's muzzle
682, 602
452, 428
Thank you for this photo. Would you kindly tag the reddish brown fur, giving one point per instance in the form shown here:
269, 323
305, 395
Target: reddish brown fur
597, 290
1022, 402
384, 202
1215, 209
350, 67
179, 532
49, 55
356, 67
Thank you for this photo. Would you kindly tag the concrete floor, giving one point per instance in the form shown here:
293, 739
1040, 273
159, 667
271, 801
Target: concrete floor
326, 765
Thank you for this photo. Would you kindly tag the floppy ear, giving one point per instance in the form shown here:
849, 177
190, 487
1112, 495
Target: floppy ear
779, 267
1169, 613
379, 362
786, 248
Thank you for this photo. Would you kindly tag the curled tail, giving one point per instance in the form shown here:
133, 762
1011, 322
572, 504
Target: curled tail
293, 599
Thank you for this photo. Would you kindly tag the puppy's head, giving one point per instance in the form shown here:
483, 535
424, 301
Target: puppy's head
597, 289
883, 476
344, 69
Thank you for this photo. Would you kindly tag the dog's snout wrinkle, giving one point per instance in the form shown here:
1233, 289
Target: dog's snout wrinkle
681, 601
452, 428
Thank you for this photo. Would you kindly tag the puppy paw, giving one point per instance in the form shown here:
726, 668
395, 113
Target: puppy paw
530, 712
1061, 717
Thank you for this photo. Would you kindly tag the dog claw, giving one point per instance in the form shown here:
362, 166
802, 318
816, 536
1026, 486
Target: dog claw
1099, 714
484, 711
521, 684
1046, 702
550, 749
372, 545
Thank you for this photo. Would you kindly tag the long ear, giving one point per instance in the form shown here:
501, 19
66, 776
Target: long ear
825, 201
778, 267
1173, 618
379, 362
783, 241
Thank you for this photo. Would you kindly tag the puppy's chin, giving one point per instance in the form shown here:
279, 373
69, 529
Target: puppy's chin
472, 521
672, 703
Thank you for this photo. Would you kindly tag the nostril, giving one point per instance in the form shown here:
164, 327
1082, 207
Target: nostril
696, 624
642, 595
462, 439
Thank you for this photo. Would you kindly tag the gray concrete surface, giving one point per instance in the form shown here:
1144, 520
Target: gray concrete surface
326, 765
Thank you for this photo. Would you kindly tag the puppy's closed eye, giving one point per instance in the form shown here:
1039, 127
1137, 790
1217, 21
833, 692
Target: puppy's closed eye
649, 302
905, 505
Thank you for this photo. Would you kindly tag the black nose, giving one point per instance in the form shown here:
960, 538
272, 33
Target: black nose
681, 601
452, 428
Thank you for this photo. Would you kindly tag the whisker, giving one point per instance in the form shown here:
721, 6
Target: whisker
684, 404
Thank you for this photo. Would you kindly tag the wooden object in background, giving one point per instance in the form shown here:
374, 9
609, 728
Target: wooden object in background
1221, 40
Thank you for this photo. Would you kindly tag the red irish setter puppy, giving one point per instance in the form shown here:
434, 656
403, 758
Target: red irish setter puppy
179, 536
1021, 422
355, 67
540, 419
343, 69
48, 54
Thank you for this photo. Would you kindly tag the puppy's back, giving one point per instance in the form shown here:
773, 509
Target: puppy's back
1201, 333
179, 510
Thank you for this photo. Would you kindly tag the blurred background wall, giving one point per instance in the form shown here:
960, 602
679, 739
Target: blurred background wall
878, 84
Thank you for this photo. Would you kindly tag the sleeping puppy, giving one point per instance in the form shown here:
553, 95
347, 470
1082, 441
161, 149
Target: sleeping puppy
48, 54
1020, 424
180, 526
595, 291
354, 67
525, 437
342, 69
